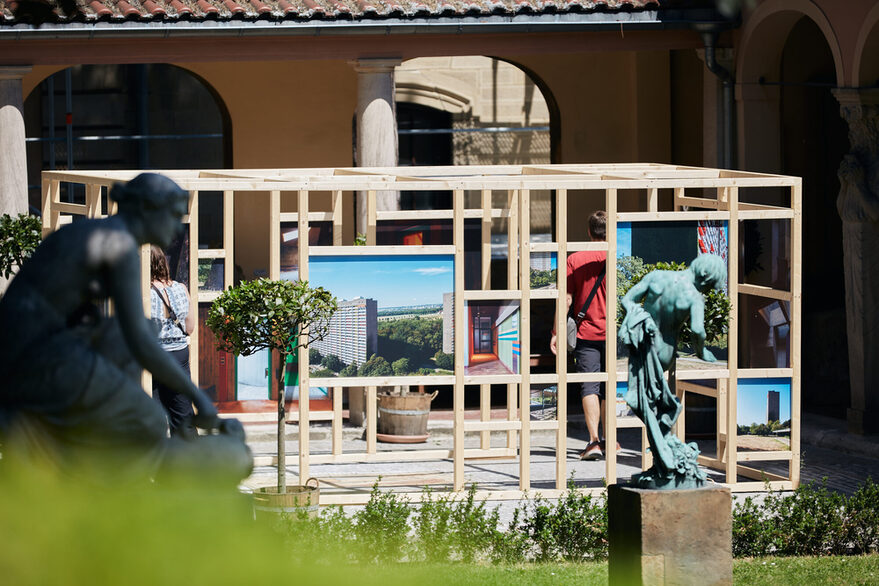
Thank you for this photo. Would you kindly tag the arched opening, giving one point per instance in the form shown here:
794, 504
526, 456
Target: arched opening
867, 59
145, 116
791, 124
813, 151
476, 110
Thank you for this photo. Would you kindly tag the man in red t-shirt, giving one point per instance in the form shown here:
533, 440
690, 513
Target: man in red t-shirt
584, 268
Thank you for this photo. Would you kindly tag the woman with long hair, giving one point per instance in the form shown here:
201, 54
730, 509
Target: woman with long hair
173, 315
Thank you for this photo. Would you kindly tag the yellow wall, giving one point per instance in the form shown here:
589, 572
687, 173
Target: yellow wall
612, 107
283, 115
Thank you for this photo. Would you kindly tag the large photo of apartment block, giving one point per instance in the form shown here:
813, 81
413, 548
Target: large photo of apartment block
492, 343
394, 318
763, 414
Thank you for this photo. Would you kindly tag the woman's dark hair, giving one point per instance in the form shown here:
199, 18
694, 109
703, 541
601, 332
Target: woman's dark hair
159, 270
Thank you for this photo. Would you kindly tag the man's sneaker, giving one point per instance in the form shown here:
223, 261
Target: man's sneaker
591, 452
604, 447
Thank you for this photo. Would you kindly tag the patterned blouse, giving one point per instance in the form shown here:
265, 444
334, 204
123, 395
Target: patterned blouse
171, 336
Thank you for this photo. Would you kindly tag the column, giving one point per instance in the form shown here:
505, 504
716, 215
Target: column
13, 157
376, 127
858, 206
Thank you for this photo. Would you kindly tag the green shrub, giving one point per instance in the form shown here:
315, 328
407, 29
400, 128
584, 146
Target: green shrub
381, 527
332, 362
862, 519
574, 529
811, 520
444, 361
401, 366
350, 370
375, 366
19, 237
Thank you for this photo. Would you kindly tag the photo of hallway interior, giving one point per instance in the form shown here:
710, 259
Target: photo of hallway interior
493, 340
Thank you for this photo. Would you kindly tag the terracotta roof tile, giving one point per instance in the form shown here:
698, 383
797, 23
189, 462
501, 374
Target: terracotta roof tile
65, 11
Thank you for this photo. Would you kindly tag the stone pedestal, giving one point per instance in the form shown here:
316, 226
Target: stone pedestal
669, 536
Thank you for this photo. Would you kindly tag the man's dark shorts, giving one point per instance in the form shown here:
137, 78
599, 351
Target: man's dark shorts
589, 356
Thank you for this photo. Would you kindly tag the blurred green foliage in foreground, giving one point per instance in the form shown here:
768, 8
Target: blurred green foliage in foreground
57, 531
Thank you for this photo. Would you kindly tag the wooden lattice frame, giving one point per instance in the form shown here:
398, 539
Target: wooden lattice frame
717, 198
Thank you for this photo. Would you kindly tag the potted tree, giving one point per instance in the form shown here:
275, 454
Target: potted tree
274, 315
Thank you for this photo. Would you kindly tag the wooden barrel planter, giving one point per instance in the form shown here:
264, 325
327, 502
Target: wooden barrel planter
402, 419
268, 503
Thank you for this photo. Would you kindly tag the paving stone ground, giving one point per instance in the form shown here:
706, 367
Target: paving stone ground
828, 452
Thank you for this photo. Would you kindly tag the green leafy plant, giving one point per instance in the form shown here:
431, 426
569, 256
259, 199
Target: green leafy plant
382, 528
279, 316
811, 520
630, 271
19, 237
574, 529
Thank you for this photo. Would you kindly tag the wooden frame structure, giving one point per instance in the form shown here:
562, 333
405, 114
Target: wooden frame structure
629, 193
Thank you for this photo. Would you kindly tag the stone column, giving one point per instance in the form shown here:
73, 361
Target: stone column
376, 127
858, 206
13, 157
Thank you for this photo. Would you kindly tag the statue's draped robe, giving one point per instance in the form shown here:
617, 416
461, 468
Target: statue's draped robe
649, 396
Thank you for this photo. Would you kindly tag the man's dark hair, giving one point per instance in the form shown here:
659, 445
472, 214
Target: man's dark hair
598, 225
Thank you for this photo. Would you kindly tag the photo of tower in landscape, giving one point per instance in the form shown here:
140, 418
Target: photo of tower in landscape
764, 413
390, 320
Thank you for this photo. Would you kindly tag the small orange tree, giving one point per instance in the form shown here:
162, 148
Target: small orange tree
275, 315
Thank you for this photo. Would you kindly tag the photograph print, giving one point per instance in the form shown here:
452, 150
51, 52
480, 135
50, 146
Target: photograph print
763, 414
394, 316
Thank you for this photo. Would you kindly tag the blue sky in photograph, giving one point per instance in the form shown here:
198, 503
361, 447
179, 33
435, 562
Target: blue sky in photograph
752, 399
624, 239
391, 280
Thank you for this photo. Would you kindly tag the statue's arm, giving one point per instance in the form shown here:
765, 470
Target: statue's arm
697, 327
125, 290
637, 293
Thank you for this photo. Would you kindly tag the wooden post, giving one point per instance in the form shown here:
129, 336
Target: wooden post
485, 389
461, 333
610, 354
561, 358
796, 330
229, 239
512, 283
525, 339
304, 373
193, 281
732, 196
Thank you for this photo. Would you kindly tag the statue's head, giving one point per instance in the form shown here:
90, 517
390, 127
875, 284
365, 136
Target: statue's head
157, 201
709, 271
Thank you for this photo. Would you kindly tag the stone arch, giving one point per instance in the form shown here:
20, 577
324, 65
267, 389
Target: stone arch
766, 32
759, 57
191, 99
865, 67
